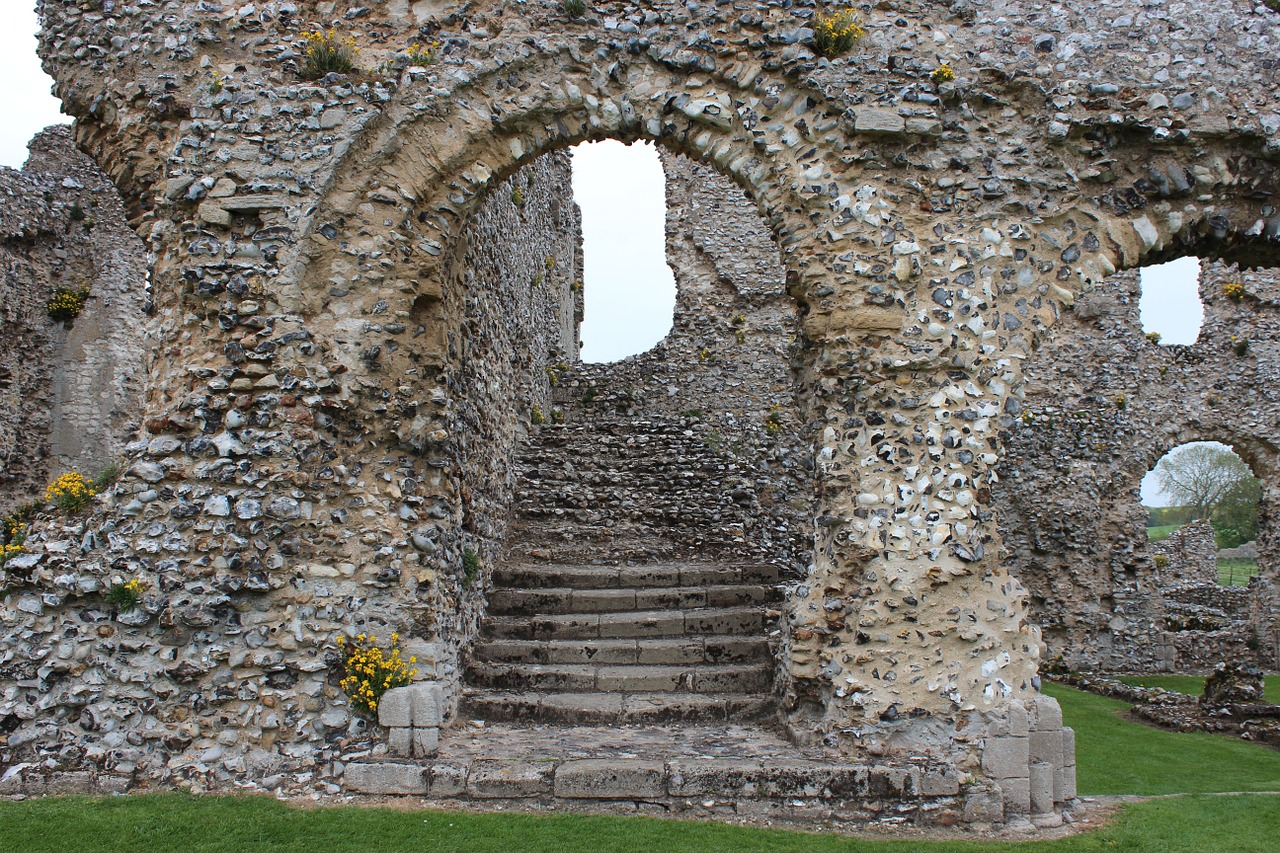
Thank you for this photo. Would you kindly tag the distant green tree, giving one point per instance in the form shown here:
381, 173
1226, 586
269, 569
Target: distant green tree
1235, 519
1208, 481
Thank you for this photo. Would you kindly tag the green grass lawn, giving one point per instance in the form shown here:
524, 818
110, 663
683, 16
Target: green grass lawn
1194, 684
1161, 532
1115, 756
1236, 571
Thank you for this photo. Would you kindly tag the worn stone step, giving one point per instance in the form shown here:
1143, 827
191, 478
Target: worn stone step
613, 708
679, 650
646, 623
567, 600
552, 576
623, 678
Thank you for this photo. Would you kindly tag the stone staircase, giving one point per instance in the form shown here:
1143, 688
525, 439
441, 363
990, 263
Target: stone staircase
622, 601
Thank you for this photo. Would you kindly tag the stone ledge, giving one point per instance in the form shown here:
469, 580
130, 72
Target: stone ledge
861, 789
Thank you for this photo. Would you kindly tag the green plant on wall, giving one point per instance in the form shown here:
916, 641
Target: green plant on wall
327, 52
470, 566
835, 34
125, 596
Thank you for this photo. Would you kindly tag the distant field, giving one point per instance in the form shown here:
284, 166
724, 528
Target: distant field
1193, 685
1236, 571
1161, 532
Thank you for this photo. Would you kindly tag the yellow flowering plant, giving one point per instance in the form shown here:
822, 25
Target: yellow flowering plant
70, 492
944, 73
66, 304
328, 52
1233, 290
423, 53
369, 671
13, 532
125, 596
835, 34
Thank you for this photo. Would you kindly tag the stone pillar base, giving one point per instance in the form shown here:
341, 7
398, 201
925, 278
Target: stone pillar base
1031, 755
413, 715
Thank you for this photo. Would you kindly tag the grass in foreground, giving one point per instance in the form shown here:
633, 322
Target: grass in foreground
1115, 756
164, 823
1194, 684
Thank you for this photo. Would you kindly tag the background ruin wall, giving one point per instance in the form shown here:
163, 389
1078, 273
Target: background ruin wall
71, 398
1104, 403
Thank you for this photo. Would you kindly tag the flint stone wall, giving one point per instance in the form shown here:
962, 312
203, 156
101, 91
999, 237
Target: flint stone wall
1104, 403
70, 399
1191, 553
930, 232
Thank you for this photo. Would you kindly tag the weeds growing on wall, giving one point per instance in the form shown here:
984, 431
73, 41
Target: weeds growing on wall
369, 672
329, 53
125, 596
1233, 290
835, 34
470, 566
105, 478
574, 8
66, 304
944, 73
70, 492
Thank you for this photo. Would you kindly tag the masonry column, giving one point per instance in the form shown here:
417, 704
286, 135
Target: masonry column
911, 635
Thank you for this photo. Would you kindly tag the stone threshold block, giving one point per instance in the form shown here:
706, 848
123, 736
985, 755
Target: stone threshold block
929, 791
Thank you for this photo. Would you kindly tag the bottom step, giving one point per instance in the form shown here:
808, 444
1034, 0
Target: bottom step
614, 708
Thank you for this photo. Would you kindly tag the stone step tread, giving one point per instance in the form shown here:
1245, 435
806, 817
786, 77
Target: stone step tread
681, 650
549, 600
623, 678
684, 775
662, 575
601, 708
636, 623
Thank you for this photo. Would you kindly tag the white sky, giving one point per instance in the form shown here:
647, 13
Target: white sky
629, 292
1170, 302
25, 102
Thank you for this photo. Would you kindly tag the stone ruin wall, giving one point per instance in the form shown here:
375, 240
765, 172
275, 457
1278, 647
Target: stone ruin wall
71, 398
1190, 556
1103, 405
514, 298
931, 233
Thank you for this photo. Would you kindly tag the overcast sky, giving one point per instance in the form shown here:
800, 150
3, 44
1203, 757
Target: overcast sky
25, 101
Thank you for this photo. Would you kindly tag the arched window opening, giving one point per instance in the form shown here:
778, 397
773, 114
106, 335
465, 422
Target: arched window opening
1170, 306
629, 296
1202, 515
